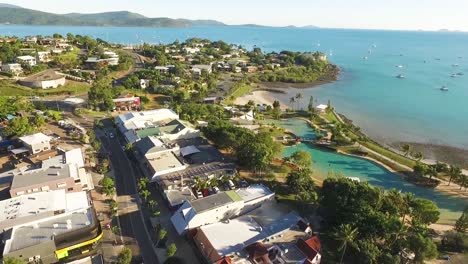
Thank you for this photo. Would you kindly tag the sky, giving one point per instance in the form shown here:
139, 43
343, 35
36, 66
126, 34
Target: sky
365, 14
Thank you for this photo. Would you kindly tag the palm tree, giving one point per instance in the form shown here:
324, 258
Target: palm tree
142, 183
406, 148
462, 180
152, 203
346, 234
292, 100
115, 230
145, 194
418, 156
454, 173
298, 99
432, 172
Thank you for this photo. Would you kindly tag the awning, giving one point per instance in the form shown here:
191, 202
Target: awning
19, 150
189, 151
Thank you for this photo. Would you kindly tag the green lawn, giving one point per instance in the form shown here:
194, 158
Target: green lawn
241, 90
390, 154
330, 116
70, 88
8, 88
275, 132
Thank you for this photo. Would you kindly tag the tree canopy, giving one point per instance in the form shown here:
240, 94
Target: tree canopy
387, 222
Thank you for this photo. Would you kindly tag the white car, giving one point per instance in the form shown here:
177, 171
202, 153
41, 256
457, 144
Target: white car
231, 185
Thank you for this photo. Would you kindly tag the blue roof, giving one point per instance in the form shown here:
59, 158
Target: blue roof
10, 117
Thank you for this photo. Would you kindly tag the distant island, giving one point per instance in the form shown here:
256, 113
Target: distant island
11, 14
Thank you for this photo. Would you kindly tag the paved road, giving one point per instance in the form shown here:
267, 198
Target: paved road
131, 220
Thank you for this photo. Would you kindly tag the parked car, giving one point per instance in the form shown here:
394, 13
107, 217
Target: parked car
216, 189
199, 194
243, 184
231, 185
111, 135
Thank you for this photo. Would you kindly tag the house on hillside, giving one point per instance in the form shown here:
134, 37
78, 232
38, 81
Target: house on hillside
26, 60
14, 68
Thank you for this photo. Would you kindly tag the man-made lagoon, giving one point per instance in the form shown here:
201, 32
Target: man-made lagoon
325, 161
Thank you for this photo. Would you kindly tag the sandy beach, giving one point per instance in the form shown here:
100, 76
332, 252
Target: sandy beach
259, 97
268, 92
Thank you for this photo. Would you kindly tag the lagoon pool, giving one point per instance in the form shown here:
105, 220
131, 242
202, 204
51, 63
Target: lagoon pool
325, 161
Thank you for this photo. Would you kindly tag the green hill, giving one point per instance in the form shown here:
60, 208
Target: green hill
22, 16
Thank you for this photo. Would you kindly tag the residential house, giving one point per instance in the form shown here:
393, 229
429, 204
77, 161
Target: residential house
26, 60
251, 69
36, 143
30, 40
190, 50
14, 68
162, 69
199, 68
44, 56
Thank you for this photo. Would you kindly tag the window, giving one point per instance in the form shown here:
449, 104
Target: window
37, 150
70, 189
29, 191
35, 189
20, 193
78, 181
45, 188
61, 185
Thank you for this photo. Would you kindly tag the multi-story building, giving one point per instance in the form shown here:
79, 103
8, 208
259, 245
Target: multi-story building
219, 207
49, 227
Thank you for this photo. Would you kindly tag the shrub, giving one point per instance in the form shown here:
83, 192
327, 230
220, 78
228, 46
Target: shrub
454, 241
171, 250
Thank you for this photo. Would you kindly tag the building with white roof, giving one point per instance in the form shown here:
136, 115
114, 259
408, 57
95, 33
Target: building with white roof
55, 238
28, 60
46, 227
143, 119
36, 143
235, 238
66, 177
163, 163
219, 207
197, 69
191, 50
321, 108
32, 207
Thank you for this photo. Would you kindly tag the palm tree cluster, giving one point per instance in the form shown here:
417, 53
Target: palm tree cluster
145, 193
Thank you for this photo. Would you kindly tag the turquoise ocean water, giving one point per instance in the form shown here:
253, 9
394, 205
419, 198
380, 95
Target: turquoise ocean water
386, 107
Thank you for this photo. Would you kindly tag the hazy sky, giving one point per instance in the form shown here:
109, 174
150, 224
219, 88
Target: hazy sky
375, 14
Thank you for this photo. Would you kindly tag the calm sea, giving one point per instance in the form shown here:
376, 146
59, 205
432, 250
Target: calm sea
388, 108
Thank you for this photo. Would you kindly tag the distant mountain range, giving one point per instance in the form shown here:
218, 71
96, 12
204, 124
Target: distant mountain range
11, 14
